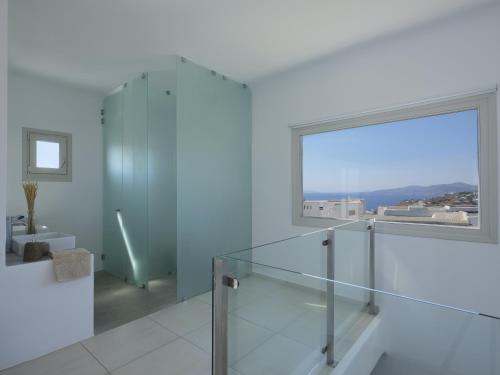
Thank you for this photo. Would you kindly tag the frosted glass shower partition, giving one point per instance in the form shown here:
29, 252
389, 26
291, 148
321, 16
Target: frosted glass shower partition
133, 211
177, 175
214, 173
162, 192
113, 244
135, 116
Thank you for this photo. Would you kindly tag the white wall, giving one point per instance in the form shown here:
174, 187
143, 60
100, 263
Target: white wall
455, 55
73, 207
37, 314
3, 122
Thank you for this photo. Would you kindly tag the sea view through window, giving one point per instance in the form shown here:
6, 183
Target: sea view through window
423, 170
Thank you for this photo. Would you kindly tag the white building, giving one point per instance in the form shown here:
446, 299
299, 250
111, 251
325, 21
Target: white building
417, 210
443, 215
338, 209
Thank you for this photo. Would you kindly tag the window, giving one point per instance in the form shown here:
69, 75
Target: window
427, 170
46, 155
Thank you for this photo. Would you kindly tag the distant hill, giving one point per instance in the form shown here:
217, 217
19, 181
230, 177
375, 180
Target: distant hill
393, 196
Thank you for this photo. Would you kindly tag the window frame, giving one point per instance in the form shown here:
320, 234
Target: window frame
485, 103
29, 147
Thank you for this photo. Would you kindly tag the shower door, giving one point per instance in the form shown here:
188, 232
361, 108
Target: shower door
133, 214
113, 244
125, 192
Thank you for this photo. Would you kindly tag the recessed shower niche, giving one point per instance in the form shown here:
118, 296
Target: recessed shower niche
177, 175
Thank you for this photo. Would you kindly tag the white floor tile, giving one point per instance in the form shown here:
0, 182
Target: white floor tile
261, 284
72, 360
205, 297
274, 328
241, 297
122, 345
243, 337
309, 299
177, 358
271, 313
309, 329
202, 337
184, 317
279, 356
237, 297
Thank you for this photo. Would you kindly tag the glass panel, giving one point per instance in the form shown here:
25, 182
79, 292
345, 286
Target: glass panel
431, 182
277, 321
278, 324
214, 173
307, 254
113, 238
133, 215
47, 154
162, 175
352, 242
275, 297
423, 338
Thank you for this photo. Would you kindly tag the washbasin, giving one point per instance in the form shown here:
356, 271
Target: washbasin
56, 240
19, 230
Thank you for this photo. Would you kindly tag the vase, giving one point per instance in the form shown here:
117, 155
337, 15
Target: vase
35, 251
30, 224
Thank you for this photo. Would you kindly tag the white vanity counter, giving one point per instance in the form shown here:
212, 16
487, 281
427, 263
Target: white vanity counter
39, 314
56, 241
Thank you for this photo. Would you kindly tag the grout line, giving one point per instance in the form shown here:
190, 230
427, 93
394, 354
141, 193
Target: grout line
149, 352
251, 351
191, 331
163, 327
198, 298
304, 311
93, 356
273, 334
198, 346
183, 334
158, 348
252, 322
176, 336
188, 332
281, 331
258, 298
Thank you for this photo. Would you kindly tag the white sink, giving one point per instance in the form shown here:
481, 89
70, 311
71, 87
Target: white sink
56, 240
19, 230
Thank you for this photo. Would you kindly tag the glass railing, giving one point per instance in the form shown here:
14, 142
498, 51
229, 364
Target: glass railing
307, 305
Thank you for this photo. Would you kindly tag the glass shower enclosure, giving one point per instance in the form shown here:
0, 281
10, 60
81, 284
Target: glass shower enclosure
177, 151
139, 185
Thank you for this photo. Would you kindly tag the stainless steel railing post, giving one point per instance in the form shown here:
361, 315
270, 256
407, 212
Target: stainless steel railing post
372, 308
330, 299
219, 318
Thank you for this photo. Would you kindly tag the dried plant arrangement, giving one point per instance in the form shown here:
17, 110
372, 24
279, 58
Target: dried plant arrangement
30, 189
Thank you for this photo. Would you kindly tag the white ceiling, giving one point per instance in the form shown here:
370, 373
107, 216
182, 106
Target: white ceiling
100, 43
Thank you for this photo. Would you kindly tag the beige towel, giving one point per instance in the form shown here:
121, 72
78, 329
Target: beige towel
71, 264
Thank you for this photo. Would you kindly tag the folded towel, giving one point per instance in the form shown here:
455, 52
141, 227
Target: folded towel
71, 264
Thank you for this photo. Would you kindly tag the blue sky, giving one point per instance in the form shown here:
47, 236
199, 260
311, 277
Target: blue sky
425, 151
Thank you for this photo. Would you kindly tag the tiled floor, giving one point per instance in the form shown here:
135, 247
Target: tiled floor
117, 303
276, 329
